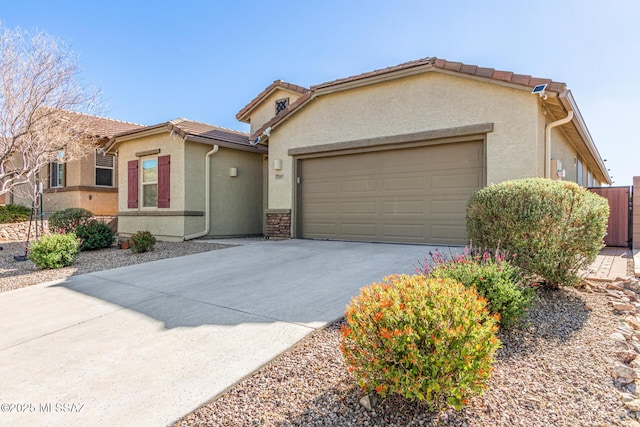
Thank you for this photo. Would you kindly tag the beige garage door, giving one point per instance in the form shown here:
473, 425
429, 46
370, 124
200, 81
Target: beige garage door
412, 195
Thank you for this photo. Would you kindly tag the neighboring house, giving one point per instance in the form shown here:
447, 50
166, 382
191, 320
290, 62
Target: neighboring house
393, 155
89, 182
184, 179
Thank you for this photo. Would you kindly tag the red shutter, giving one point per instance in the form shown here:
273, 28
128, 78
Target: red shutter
164, 181
132, 184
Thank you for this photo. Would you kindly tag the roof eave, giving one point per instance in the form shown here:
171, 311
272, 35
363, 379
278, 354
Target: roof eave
569, 103
227, 144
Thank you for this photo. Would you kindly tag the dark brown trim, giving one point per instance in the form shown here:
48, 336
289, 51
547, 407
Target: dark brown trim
395, 140
147, 153
225, 144
161, 213
81, 188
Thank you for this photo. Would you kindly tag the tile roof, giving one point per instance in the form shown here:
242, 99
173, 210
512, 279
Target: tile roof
457, 67
186, 127
275, 85
102, 127
432, 62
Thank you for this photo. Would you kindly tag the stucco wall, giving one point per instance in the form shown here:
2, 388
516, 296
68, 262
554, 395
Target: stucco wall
169, 225
563, 150
267, 108
428, 101
236, 202
636, 213
99, 201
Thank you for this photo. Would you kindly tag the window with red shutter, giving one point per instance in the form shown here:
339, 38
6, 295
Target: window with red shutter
164, 181
132, 184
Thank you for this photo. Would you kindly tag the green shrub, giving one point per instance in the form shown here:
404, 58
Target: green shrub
54, 251
95, 235
423, 338
142, 241
556, 228
66, 221
495, 278
14, 213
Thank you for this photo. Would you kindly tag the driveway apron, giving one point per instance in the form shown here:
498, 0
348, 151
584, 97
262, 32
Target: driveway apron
146, 344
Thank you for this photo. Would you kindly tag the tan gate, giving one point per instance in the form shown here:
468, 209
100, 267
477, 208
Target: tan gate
618, 228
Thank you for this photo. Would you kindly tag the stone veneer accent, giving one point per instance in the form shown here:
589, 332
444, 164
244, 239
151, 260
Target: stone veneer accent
278, 223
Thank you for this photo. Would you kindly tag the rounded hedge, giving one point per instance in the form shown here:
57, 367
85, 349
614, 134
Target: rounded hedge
555, 228
95, 235
54, 251
66, 220
426, 339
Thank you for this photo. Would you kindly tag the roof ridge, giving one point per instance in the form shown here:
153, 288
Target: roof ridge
104, 118
182, 120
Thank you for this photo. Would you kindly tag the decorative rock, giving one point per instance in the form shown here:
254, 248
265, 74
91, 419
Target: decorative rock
624, 374
633, 322
636, 345
615, 286
625, 330
626, 397
623, 306
626, 356
631, 388
633, 405
617, 336
369, 402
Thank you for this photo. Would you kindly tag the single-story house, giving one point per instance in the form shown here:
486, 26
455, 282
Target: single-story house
184, 179
392, 155
90, 182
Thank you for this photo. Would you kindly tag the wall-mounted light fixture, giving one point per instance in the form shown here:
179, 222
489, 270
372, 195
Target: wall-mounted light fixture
233, 172
277, 164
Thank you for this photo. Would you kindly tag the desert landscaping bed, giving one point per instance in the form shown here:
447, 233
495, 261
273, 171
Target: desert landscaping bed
554, 372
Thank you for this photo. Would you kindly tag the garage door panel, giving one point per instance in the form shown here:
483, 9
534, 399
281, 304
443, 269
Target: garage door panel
359, 208
404, 184
410, 207
359, 231
415, 195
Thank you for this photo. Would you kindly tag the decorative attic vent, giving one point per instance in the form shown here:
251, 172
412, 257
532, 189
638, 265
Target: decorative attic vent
281, 105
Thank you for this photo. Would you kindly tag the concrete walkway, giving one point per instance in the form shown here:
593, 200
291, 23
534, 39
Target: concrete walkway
146, 344
610, 264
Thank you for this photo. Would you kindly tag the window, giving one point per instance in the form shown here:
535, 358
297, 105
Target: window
150, 183
281, 105
56, 171
104, 169
154, 182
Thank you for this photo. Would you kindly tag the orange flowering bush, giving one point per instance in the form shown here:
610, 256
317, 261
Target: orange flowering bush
424, 338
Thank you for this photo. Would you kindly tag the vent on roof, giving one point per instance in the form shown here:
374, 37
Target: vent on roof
281, 105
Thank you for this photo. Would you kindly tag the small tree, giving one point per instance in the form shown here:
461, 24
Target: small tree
39, 86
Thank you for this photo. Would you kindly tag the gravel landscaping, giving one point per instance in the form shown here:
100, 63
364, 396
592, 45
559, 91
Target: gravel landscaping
18, 274
554, 372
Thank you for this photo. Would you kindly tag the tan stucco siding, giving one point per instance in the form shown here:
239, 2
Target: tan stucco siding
167, 145
98, 202
194, 178
563, 150
266, 110
164, 228
236, 202
424, 102
171, 226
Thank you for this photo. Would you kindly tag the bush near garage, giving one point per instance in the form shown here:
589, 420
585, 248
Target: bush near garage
142, 241
54, 251
555, 227
67, 220
423, 338
508, 292
95, 235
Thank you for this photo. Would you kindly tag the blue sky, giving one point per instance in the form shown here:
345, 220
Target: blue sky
204, 60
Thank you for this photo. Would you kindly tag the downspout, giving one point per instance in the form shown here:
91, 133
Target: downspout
207, 196
547, 140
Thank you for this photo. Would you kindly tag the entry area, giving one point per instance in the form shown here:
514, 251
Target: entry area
405, 195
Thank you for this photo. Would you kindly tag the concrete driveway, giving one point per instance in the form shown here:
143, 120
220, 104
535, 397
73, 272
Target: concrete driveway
146, 344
